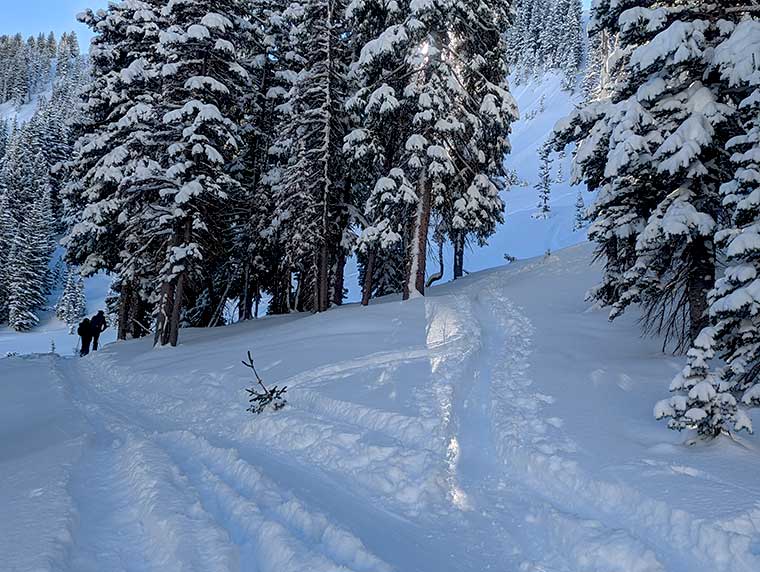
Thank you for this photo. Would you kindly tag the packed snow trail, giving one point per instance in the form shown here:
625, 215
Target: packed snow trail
497, 424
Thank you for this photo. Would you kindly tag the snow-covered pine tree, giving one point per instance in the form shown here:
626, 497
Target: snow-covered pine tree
256, 258
709, 399
311, 199
28, 265
596, 76
114, 178
651, 150
544, 185
8, 230
485, 111
379, 120
71, 306
545, 35
203, 81
581, 220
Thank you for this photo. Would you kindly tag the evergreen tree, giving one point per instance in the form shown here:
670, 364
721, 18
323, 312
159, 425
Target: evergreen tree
709, 397
650, 150
544, 185
203, 81
312, 196
8, 230
28, 266
581, 220
71, 306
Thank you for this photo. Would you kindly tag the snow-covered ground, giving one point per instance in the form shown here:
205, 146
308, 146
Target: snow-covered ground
497, 424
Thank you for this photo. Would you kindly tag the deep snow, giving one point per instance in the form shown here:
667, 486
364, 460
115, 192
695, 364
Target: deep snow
497, 424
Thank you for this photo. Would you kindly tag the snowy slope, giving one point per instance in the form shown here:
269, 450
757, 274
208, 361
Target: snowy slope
497, 424
542, 103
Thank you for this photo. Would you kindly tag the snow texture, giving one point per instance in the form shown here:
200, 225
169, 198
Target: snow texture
496, 424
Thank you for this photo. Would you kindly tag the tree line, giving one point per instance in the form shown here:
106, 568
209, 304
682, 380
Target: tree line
546, 35
671, 146
30, 184
235, 149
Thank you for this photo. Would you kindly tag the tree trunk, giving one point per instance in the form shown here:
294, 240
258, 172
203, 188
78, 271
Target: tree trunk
415, 280
458, 254
701, 279
245, 304
179, 294
125, 311
339, 279
367, 282
138, 318
322, 279
164, 311
438, 275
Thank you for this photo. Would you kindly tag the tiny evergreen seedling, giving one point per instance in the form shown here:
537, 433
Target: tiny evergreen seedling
259, 400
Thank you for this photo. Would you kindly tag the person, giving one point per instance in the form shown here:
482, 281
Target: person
85, 332
99, 326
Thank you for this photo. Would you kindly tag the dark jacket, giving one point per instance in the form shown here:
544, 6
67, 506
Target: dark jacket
85, 329
98, 323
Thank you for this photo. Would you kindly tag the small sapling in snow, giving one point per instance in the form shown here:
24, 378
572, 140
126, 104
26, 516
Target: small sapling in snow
260, 396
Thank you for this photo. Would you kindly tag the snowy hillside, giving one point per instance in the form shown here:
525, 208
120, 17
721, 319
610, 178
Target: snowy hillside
541, 103
497, 424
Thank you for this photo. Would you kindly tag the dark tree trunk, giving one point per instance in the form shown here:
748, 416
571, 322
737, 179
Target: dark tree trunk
125, 311
438, 275
281, 292
458, 255
701, 279
322, 279
418, 247
172, 332
245, 303
139, 315
339, 279
176, 310
369, 270
164, 313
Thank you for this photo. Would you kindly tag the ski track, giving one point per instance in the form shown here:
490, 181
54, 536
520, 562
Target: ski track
480, 478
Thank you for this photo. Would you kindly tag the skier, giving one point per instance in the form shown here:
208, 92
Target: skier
85, 332
99, 326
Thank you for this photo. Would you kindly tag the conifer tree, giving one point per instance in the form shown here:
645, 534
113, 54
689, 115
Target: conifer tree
544, 185
650, 150
203, 81
71, 306
28, 266
312, 196
721, 377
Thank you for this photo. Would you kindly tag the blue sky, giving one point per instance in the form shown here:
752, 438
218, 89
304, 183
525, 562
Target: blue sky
35, 16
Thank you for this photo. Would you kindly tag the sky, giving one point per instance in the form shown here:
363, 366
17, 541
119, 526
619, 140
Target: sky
34, 16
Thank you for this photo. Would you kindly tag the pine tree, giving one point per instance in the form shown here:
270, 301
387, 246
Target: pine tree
581, 220
544, 185
708, 397
203, 80
28, 267
311, 215
71, 306
8, 230
650, 150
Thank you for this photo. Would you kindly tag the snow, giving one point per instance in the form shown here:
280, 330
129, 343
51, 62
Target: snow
497, 424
